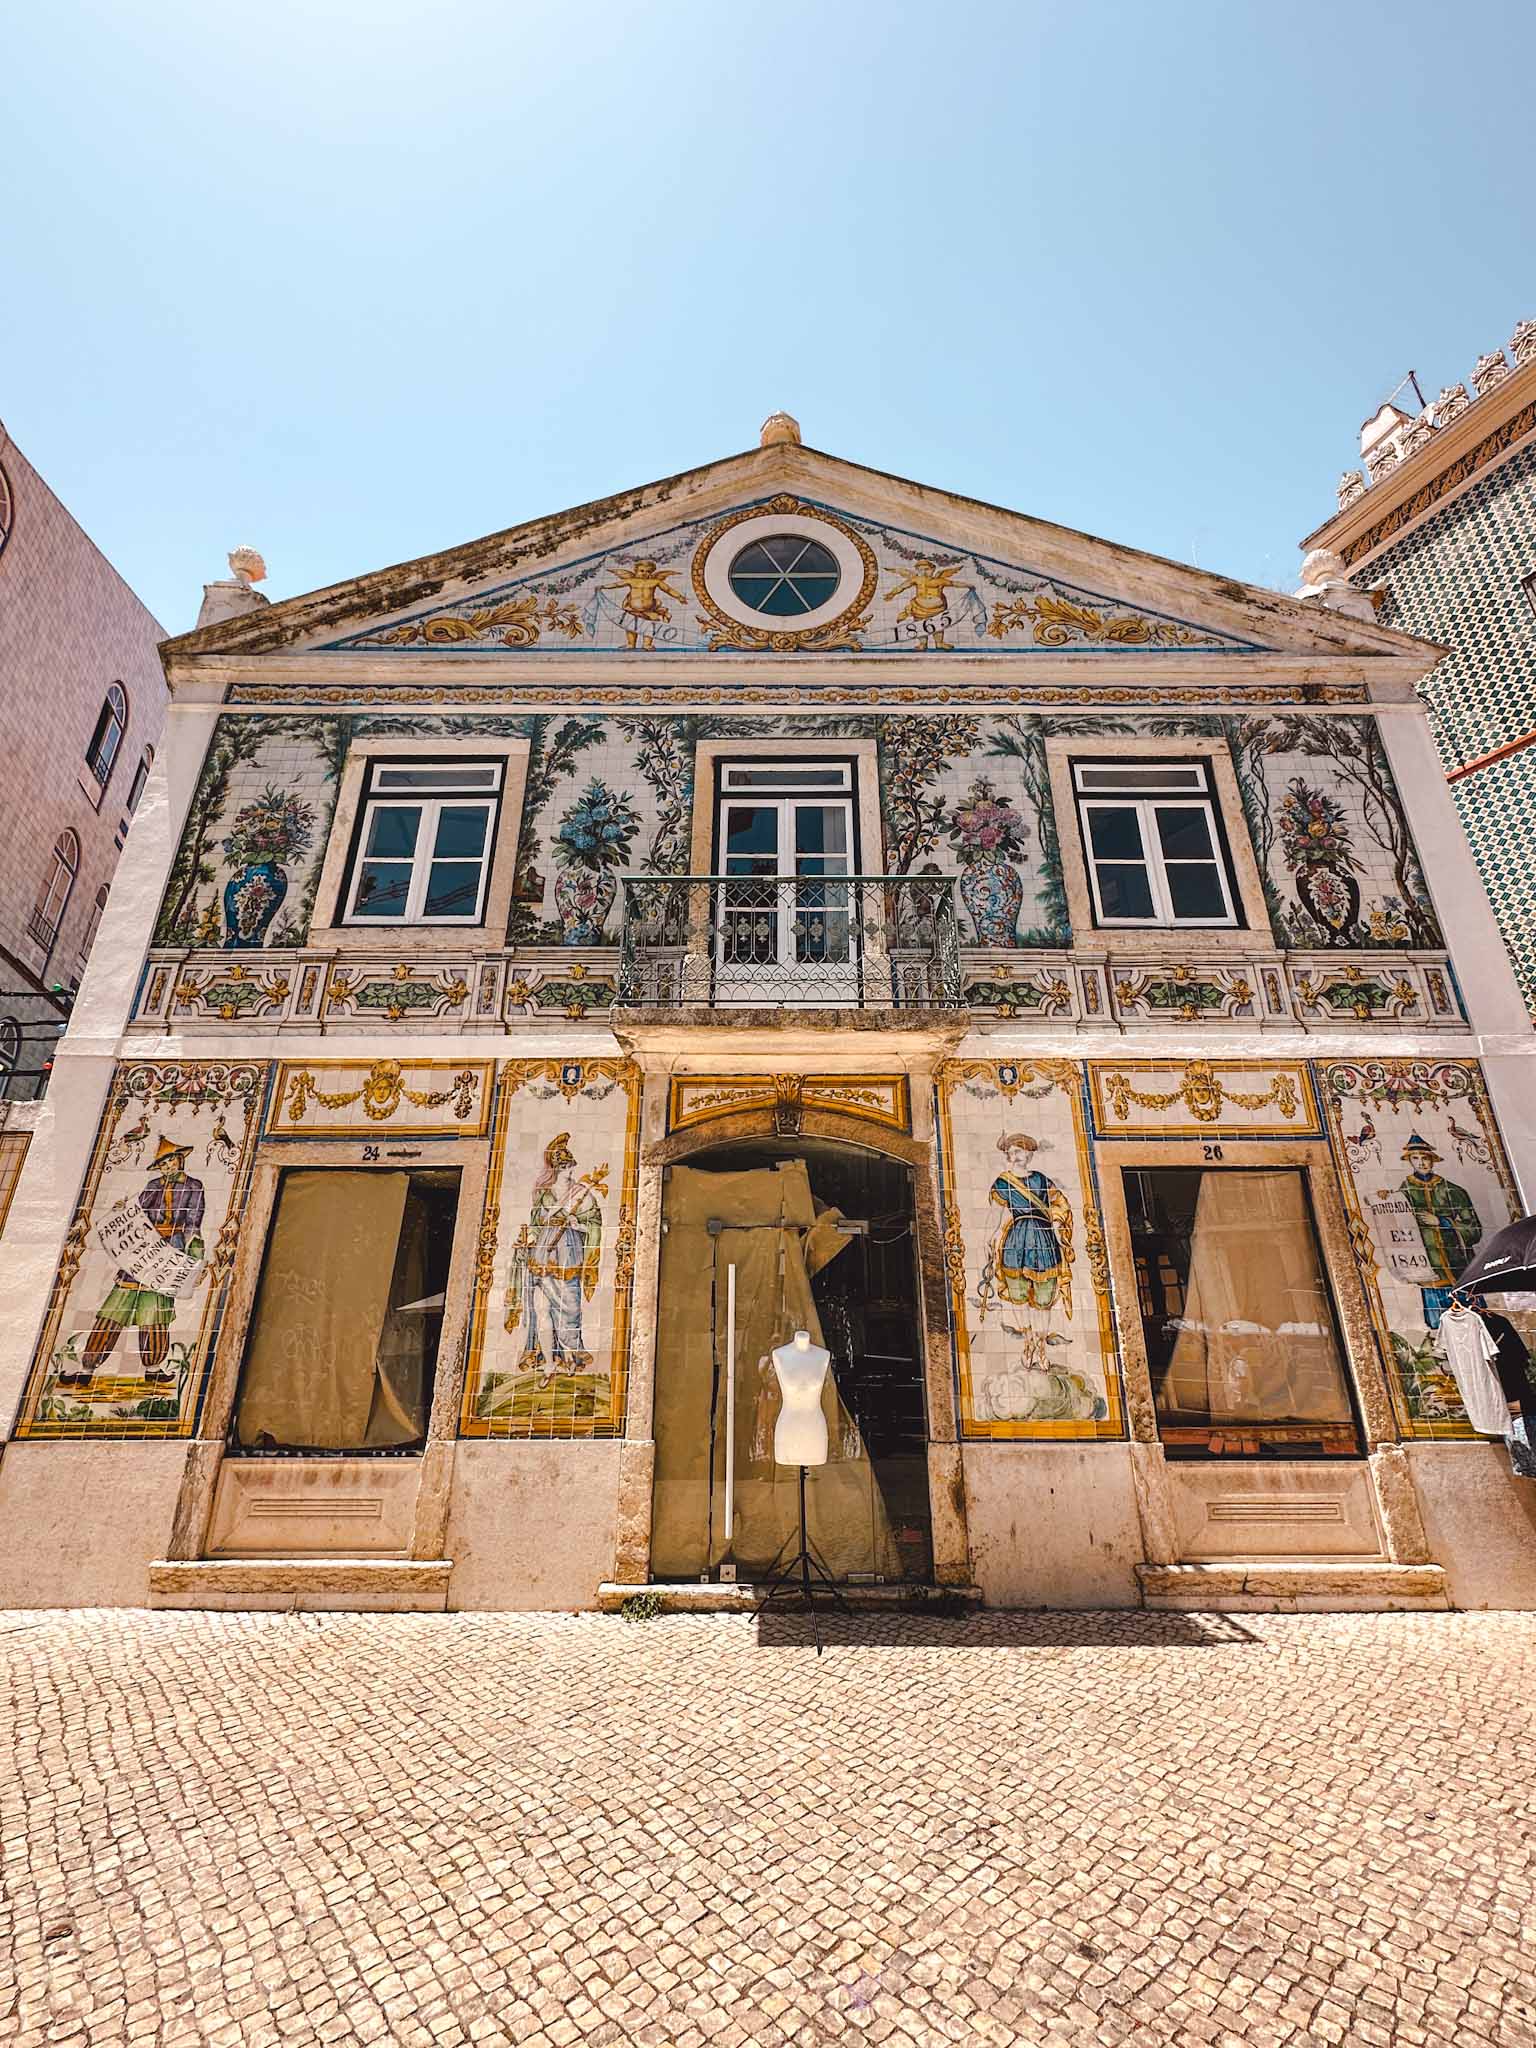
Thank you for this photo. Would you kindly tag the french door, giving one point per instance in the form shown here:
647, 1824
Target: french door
786, 923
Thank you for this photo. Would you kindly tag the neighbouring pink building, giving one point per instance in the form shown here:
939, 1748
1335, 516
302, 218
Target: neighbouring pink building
82, 702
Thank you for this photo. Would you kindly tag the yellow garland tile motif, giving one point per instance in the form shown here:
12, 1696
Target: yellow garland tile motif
875, 1098
1207, 1091
380, 1092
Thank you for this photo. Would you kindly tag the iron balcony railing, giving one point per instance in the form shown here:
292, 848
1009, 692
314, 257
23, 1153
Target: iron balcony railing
737, 941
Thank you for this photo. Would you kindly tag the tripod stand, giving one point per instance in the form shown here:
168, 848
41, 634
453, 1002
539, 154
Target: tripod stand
804, 1579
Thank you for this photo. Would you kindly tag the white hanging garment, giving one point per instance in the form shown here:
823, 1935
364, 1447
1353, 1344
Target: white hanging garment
1468, 1345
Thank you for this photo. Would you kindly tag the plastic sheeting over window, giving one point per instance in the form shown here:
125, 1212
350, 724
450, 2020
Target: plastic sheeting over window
343, 1341
1241, 1338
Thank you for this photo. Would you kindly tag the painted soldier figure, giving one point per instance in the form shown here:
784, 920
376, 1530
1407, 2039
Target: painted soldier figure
173, 1202
1031, 1252
555, 1263
1448, 1224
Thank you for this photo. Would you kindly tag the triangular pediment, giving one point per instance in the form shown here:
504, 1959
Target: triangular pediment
834, 582
893, 569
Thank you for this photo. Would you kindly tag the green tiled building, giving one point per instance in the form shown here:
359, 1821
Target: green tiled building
1440, 529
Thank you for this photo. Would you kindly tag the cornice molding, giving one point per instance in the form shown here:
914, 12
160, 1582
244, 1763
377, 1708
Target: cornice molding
1490, 430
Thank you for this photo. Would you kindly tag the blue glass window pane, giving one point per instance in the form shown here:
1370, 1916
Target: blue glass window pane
452, 888
392, 831
752, 828
1186, 834
461, 831
1124, 891
1195, 890
382, 888
1116, 834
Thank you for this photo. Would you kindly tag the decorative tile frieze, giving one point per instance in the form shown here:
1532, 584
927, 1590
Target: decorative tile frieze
1328, 991
1010, 987
310, 991
232, 993
1183, 993
393, 994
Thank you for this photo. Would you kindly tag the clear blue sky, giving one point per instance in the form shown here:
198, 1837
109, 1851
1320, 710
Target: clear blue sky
353, 279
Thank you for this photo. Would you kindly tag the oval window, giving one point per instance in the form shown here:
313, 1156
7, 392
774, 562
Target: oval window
785, 576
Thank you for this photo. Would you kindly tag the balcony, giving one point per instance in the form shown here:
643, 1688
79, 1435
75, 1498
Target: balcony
42, 930
811, 941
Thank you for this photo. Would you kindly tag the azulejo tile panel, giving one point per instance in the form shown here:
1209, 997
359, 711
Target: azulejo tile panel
1424, 1177
1203, 1099
142, 1278
549, 1326
1024, 1251
245, 872
897, 593
1330, 833
364, 1098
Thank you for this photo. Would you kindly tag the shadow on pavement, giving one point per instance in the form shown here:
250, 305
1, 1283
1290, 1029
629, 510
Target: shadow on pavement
781, 1628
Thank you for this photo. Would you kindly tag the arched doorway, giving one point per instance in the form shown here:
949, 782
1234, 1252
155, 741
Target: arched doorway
822, 1233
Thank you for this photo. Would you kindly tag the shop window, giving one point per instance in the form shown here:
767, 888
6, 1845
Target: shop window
48, 914
342, 1351
1241, 1337
424, 842
108, 735
1153, 843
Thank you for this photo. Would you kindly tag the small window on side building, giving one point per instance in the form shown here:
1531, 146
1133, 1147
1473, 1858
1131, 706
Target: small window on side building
111, 724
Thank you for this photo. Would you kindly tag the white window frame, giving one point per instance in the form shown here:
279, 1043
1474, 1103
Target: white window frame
378, 796
1196, 794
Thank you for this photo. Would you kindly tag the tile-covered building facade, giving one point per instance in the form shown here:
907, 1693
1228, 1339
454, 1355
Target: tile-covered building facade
1440, 528
783, 896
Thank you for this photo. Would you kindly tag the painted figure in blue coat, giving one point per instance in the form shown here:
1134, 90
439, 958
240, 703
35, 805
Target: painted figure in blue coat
1029, 1260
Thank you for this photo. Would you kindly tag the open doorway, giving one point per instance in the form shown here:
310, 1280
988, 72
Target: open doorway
820, 1235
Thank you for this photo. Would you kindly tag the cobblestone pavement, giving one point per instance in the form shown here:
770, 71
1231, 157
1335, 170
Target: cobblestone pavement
571, 1830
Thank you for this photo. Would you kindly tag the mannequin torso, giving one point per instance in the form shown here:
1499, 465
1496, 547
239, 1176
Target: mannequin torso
800, 1434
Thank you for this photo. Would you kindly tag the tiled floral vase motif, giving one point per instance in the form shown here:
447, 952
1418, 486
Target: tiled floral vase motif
1316, 841
584, 897
592, 843
277, 827
251, 900
993, 894
988, 834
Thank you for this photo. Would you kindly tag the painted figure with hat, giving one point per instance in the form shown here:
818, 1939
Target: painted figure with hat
555, 1261
172, 1201
1029, 1261
1448, 1223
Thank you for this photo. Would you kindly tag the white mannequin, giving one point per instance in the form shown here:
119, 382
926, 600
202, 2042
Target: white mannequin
800, 1434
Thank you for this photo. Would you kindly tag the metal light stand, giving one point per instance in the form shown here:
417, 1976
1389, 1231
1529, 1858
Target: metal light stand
804, 1579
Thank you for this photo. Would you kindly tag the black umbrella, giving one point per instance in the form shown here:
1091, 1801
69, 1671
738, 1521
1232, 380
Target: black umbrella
1506, 1260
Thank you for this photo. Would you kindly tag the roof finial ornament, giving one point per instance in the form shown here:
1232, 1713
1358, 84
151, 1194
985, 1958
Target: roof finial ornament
246, 566
778, 428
